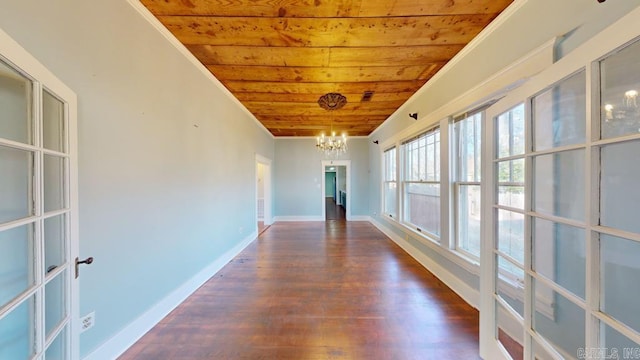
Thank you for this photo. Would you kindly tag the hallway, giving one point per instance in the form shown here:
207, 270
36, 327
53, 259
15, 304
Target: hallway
334, 290
333, 210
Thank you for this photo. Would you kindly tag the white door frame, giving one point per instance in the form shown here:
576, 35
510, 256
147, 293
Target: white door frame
266, 162
347, 164
14, 54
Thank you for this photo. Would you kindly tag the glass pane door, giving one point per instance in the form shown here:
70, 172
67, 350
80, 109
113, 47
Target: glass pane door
35, 261
560, 251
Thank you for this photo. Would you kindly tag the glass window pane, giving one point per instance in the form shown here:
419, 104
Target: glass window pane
390, 197
619, 270
55, 302
510, 132
620, 85
558, 320
53, 122
15, 106
511, 171
613, 340
15, 184
559, 114
510, 230
58, 348
54, 242
390, 165
468, 134
540, 352
559, 254
423, 206
558, 184
509, 332
16, 264
511, 183
619, 195
17, 332
468, 221
510, 285
53, 183
511, 196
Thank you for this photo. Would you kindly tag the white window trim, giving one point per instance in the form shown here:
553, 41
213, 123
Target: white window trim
385, 182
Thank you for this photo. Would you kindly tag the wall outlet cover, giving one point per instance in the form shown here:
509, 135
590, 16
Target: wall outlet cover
87, 321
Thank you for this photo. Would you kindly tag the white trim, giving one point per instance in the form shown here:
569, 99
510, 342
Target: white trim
298, 218
121, 341
466, 292
360, 218
153, 21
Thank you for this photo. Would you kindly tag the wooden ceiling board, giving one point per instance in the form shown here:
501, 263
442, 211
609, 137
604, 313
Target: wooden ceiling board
282, 120
323, 88
326, 32
315, 8
279, 56
260, 56
323, 74
319, 57
385, 56
286, 97
363, 108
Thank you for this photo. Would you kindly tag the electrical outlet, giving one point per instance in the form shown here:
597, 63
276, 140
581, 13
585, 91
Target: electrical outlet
87, 321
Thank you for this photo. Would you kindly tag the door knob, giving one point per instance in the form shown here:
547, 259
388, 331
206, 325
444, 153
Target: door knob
87, 261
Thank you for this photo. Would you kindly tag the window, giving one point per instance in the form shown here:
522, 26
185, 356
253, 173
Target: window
467, 132
390, 199
421, 183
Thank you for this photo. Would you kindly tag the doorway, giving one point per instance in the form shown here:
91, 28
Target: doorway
334, 193
263, 193
335, 190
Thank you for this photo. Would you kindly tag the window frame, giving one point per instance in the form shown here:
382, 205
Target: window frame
456, 182
436, 177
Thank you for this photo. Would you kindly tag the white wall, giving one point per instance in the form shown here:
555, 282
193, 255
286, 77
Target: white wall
164, 155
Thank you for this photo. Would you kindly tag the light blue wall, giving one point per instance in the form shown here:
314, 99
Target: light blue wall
164, 155
298, 177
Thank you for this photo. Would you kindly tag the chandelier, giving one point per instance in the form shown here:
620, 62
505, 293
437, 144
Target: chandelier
332, 145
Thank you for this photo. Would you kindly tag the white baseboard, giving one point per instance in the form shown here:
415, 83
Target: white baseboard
121, 341
466, 292
298, 218
360, 218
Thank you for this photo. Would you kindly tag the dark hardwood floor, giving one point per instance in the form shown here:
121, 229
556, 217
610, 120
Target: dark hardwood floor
320, 290
334, 211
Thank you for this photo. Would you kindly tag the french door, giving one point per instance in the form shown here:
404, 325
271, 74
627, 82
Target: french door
38, 210
560, 253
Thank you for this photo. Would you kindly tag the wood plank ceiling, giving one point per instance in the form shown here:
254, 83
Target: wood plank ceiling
279, 56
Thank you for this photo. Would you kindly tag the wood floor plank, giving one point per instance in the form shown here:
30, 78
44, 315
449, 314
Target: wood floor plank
319, 290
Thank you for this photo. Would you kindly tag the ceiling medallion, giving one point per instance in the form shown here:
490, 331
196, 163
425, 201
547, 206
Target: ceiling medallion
332, 101
332, 145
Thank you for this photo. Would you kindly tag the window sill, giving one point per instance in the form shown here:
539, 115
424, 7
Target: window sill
465, 262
